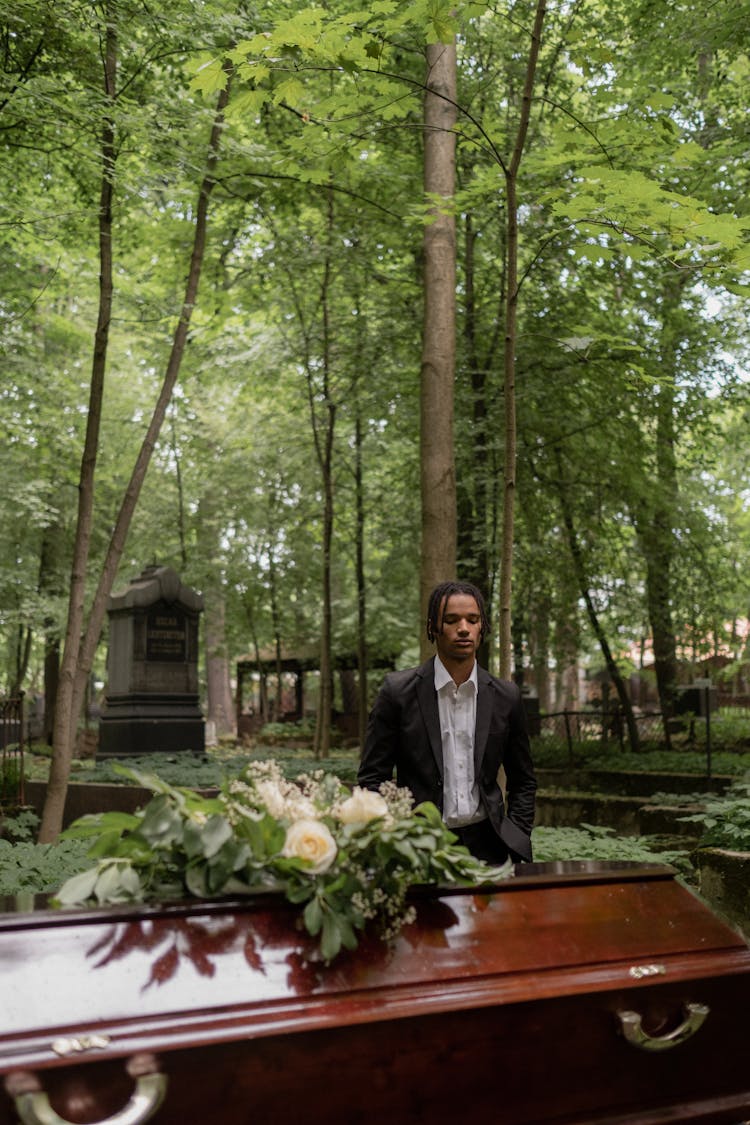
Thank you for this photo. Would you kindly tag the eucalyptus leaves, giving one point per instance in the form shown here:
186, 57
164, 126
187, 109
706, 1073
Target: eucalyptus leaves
346, 858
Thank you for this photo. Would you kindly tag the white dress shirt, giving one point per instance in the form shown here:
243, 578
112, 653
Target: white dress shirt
457, 706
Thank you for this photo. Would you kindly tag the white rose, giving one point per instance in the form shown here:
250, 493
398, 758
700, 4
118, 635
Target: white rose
363, 805
311, 840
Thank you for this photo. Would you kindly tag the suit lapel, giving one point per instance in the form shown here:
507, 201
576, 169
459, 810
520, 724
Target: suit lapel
484, 711
428, 705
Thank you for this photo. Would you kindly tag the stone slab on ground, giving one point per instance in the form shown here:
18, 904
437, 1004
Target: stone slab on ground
724, 881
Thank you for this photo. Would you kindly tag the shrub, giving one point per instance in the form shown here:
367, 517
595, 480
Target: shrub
595, 842
726, 819
40, 868
18, 825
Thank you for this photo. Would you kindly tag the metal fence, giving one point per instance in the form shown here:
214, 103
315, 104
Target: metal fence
568, 730
573, 732
11, 752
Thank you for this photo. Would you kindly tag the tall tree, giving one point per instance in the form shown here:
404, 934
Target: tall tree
437, 459
79, 652
511, 319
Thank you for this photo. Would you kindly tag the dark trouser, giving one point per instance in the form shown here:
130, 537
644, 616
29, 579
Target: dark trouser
483, 842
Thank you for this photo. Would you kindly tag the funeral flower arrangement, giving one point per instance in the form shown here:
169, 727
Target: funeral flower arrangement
346, 858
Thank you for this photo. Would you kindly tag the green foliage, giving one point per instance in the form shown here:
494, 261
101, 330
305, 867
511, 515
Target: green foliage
346, 860
277, 734
18, 826
725, 820
10, 779
39, 868
600, 843
635, 185
593, 756
208, 771
199, 771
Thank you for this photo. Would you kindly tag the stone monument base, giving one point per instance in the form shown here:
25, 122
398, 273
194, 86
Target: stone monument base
147, 723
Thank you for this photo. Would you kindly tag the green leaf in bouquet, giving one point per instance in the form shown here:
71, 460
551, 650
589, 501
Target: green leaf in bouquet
230, 858
405, 849
299, 892
215, 834
331, 939
313, 916
430, 813
196, 880
107, 844
155, 783
94, 824
264, 835
117, 882
78, 889
346, 933
162, 824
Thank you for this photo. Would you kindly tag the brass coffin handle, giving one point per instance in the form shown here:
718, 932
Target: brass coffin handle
33, 1107
631, 1026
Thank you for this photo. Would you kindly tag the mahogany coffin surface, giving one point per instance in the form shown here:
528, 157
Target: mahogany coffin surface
513, 1005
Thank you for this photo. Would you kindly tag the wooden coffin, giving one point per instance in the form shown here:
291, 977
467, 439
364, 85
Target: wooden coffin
572, 993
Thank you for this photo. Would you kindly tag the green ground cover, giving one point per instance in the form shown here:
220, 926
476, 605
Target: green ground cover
28, 867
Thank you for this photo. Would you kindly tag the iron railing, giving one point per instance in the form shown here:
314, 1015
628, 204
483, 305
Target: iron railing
575, 732
12, 733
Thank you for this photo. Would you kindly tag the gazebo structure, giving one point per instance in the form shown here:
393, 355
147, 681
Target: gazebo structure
289, 668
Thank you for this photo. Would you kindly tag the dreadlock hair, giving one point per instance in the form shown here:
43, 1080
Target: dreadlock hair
444, 591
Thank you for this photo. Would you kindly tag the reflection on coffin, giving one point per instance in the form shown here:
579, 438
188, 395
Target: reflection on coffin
573, 993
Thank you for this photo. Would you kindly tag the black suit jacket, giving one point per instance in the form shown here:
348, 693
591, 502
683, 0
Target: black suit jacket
403, 734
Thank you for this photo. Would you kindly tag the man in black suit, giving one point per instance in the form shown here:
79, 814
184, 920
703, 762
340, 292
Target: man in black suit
448, 726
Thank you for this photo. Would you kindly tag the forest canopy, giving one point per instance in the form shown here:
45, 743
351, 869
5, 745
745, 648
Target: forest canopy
221, 213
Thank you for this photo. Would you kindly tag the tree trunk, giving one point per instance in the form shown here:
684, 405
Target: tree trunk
655, 513
362, 658
479, 567
220, 711
324, 451
274, 714
66, 714
50, 585
325, 702
74, 674
437, 460
583, 584
509, 378
262, 711
218, 686
474, 544
180, 493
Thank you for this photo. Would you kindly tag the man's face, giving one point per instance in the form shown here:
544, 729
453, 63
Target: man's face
459, 623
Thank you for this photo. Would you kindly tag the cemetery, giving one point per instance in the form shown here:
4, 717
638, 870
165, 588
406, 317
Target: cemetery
374, 563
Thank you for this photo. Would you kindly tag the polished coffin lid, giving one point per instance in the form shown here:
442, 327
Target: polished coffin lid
130, 978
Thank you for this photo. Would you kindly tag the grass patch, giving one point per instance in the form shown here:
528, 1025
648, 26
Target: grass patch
592, 756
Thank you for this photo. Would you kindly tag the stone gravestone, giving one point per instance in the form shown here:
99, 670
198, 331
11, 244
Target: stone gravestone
151, 702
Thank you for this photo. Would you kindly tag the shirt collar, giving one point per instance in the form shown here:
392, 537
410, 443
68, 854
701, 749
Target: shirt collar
443, 676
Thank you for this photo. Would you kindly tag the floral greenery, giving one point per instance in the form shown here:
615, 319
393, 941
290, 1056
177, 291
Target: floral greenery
725, 820
348, 859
